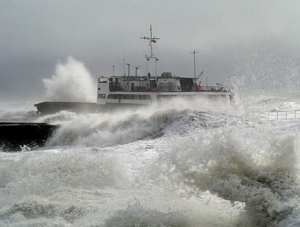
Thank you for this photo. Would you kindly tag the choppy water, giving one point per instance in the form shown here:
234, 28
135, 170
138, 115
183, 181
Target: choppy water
183, 164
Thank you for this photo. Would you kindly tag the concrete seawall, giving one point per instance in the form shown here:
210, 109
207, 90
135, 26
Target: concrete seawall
14, 135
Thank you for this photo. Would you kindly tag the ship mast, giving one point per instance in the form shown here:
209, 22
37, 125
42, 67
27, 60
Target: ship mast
151, 40
194, 53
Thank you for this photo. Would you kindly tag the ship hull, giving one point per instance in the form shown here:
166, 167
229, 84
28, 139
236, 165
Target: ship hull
77, 107
121, 101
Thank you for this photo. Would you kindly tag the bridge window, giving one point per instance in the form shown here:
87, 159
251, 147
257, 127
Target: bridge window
101, 96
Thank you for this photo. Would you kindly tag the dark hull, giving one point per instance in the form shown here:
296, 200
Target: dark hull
89, 107
14, 136
81, 107
77, 107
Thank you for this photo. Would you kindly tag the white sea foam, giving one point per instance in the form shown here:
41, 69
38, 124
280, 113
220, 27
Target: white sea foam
238, 167
44, 173
103, 130
71, 82
125, 126
136, 215
216, 167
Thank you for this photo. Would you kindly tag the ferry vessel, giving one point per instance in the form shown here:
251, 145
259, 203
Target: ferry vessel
129, 90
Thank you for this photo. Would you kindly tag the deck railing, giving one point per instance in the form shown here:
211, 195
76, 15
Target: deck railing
169, 88
278, 114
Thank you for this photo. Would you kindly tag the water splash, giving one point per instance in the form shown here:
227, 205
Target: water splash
136, 215
46, 173
125, 126
110, 129
71, 82
262, 175
265, 76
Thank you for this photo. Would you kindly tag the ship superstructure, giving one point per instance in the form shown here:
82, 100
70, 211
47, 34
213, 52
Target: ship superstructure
129, 90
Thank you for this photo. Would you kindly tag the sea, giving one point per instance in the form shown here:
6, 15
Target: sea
182, 163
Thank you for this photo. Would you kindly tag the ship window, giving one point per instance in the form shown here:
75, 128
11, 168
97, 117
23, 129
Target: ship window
101, 96
121, 96
101, 80
113, 96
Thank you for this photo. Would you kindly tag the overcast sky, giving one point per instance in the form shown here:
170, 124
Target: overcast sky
230, 36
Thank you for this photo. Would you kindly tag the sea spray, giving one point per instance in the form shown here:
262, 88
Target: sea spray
70, 185
136, 215
128, 125
262, 176
110, 129
265, 76
71, 82
46, 173
57, 118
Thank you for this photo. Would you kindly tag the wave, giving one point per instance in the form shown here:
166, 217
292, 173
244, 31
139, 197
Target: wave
40, 213
238, 167
71, 82
49, 186
24, 115
36, 211
44, 173
136, 215
102, 130
57, 118
111, 129
125, 126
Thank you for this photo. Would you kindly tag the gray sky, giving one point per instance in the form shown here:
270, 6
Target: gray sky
231, 36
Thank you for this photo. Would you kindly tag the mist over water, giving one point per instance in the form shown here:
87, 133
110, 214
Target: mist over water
188, 163
272, 75
71, 82
239, 167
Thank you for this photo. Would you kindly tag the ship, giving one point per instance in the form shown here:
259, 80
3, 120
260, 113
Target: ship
115, 92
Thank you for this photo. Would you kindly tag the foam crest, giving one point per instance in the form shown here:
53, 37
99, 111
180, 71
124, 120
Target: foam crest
57, 118
44, 173
71, 82
203, 104
109, 129
136, 215
40, 213
12, 110
263, 176
19, 115
128, 125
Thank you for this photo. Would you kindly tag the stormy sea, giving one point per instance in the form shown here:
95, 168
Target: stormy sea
183, 163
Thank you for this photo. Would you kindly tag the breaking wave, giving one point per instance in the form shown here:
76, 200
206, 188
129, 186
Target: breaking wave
71, 82
125, 126
239, 167
136, 215
16, 110
41, 213
106, 130
45, 173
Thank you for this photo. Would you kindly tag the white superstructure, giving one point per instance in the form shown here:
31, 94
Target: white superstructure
141, 90
144, 90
